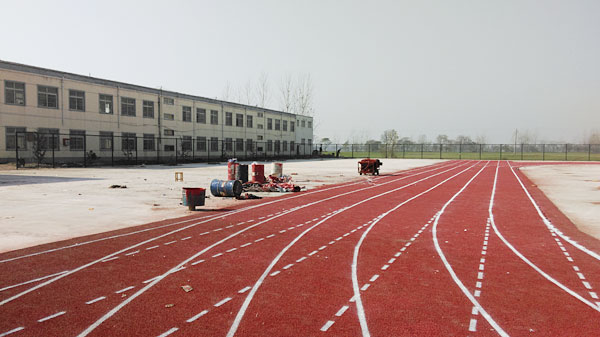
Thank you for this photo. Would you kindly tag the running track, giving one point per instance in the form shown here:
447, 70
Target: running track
457, 248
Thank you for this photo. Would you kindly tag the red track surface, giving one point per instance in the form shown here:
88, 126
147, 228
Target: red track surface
435, 255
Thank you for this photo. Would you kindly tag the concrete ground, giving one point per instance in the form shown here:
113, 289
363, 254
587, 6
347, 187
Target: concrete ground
47, 205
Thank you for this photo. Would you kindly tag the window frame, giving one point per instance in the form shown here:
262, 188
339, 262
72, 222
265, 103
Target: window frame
147, 109
186, 113
127, 103
14, 92
102, 98
47, 94
75, 99
77, 140
269, 123
214, 117
228, 118
201, 112
249, 121
149, 141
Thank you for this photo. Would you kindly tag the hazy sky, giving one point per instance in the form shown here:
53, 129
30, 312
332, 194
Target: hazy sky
420, 67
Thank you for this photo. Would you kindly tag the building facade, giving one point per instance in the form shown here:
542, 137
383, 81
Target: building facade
68, 114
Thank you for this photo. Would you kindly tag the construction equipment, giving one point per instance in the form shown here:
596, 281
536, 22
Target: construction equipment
369, 166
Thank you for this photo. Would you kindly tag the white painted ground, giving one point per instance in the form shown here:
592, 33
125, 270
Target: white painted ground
41, 206
574, 189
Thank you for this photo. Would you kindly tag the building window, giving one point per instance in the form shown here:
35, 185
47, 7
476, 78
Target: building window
269, 145
269, 124
214, 117
228, 118
228, 144
76, 140
106, 139
302, 141
47, 97
249, 145
169, 132
239, 120
186, 113
127, 106
214, 144
148, 111
201, 144
292, 146
239, 144
285, 144
310, 143
200, 115
284, 125
11, 138
310, 124
149, 144
186, 142
14, 93
49, 139
249, 121
260, 114
277, 146
259, 137
292, 127
128, 141
76, 100
168, 101
106, 104
303, 124
169, 148
259, 126
277, 124
169, 117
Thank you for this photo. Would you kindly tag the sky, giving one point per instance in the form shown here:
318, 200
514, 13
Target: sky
475, 68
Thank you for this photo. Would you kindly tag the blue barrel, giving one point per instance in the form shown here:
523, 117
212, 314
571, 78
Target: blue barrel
226, 188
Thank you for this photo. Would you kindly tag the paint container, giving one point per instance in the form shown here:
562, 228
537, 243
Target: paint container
258, 173
192, 197
276, 169
242, 173
232, 166
226, 188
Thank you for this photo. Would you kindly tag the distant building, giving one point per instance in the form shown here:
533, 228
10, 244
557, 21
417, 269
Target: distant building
75, 112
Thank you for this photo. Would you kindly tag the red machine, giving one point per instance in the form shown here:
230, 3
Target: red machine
369, 166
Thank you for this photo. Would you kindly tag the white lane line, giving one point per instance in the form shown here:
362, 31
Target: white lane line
440, 253
170, 242
575, 268
549, 224
204, 233
110, 259
338, 239
593, 295
258, 240
474, 311
150, 280
480, 276
275, 273
473, 325
229, 226
346, 234
397, 254
51, 316
114, 310
96, 300
301, 259
365, 287
124, 290
289, 229
282, 231
230, 250
581, 277
168, 332
392, 260
223, 301
152, 247
270, 236
178, 269
312, 253
327, 326
331, 242
195, 317
186, 238
477, 293
217, 255
587, 285
288, 266
373, 278
385, 266
249, 221
342, 311
31, 281
322, 247
11, 331
246, 244
195, 263
243, 290
135, 252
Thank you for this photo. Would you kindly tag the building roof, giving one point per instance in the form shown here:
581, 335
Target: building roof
89, 79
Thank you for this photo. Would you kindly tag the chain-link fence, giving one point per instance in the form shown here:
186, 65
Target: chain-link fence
34, 149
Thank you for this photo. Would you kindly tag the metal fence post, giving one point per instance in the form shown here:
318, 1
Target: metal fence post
441, 145
112, 150
135, 143
17, 149
84, 150
543, 152
422, 151
521, 151
176, 147
369, 150
403, 150
480, 146
53, 147
500, 151
460, 151
589, 151
352, 149
566, 151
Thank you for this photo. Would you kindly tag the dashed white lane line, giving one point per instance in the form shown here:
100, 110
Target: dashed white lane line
217, 255
186, 238
168, 332
282, 231
152, 247
365, 287
150, 280
112, 258
124, 290
170, 242
327, 326
392, 260
373, 278
96, 300
312, 253
270, 236
342, 311
230, 250
204, 233
275, 273
258, 240
322, 247
51, 316
246, 244
288, 266
195, 263
135, 252
195, 317
34, 280
473, 325
11, 331
301, 259
229, 226
223, 301
243, 290
385, 266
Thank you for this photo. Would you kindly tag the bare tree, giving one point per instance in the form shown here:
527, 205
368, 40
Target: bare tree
226, 94
481, 139
442, 139
248, 93
594, 137
304, 96
263, 95
390, 138
286, 89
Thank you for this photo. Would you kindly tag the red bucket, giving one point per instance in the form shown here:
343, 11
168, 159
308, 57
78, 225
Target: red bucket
192, 197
